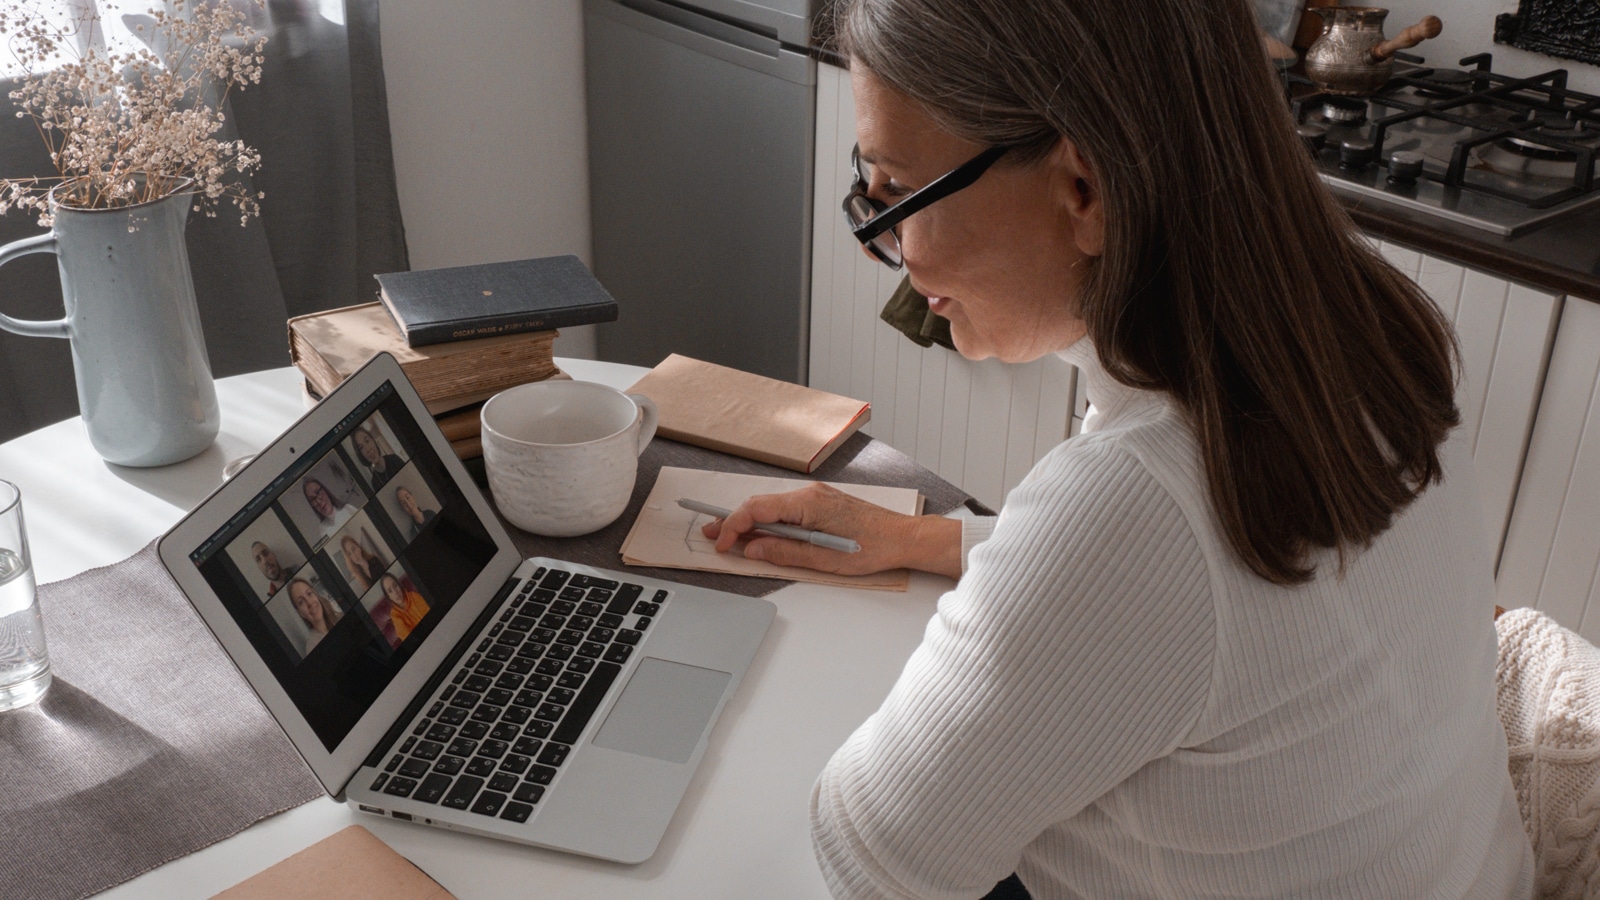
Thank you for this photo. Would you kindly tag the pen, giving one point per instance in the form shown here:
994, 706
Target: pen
829, 541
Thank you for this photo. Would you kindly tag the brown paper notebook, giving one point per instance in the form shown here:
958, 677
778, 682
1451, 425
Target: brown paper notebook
349, 865
750, 415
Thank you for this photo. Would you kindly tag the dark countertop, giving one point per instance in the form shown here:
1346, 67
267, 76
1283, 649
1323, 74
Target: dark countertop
1561, 258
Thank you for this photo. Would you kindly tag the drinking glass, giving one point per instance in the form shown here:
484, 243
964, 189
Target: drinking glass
24, 664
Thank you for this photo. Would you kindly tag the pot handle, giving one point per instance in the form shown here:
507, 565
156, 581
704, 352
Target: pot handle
647, 409
44, 243
1429, 27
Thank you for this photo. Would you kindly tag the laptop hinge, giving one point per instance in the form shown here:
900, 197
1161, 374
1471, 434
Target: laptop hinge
397, 730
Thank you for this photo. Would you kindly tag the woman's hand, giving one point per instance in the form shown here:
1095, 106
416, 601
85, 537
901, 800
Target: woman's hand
888, 539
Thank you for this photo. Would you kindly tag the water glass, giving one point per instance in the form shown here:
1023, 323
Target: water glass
24, 664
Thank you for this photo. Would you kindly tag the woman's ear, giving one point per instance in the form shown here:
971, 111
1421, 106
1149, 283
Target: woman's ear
1077, 190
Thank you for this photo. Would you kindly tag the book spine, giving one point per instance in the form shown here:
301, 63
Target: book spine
492, 326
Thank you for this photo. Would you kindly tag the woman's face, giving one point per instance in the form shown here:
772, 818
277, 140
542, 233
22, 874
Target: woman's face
409, 504
1001, 259
391, 589
352, 550
319, 498
367, 447
308, 605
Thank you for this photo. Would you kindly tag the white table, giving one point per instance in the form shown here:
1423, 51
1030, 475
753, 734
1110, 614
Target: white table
742, 828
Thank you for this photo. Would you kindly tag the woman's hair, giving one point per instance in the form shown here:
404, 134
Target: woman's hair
1319, 380
331, 614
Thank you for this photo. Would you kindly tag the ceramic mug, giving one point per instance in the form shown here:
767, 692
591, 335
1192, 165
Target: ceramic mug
562, 456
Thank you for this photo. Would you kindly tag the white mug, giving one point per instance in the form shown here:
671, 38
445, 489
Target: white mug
562, 456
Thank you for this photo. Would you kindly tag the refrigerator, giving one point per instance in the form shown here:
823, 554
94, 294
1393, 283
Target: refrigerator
700, 170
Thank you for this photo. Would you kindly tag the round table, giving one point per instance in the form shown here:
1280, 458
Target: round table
742, 829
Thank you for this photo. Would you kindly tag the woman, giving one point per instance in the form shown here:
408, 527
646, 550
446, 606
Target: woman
330, 515
380, 466
1234, 640
416, 515
317, 611
363, 567
406, 607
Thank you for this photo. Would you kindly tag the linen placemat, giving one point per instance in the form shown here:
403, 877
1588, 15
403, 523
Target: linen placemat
147, 746
860, 460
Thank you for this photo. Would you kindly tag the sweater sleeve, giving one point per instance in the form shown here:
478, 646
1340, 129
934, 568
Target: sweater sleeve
1077, 648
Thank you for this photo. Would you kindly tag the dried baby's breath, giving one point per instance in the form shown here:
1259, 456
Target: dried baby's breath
128, 128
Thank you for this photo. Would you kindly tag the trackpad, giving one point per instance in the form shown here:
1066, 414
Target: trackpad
663, 711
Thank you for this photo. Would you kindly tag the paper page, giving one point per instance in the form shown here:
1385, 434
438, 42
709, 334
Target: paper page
667, 535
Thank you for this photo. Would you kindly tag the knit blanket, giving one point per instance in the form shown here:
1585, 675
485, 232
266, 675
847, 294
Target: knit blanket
1548, 681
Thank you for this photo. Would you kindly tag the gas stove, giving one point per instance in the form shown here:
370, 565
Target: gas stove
1494, 152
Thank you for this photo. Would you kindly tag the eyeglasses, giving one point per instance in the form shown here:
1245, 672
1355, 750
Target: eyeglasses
873, 222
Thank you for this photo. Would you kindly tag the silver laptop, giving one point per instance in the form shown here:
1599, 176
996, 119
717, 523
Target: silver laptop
424, 669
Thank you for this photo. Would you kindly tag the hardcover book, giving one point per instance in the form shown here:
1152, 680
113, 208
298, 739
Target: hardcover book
435, 306
749, 415
330, 346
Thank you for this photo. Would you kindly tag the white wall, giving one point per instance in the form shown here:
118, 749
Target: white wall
486, 109
1469, 30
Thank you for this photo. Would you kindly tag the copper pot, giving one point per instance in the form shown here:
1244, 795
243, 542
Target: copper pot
1351, 56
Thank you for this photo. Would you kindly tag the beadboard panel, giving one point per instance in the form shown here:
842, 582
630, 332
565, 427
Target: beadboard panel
1553, 542
1504, 331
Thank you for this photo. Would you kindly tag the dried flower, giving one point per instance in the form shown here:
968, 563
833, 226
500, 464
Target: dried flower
128, 128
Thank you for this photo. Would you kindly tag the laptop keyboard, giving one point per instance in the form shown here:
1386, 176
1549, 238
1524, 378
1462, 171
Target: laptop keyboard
499, 731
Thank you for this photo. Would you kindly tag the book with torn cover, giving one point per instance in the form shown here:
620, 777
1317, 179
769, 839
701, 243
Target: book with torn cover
330, 346
434, 306
668, 536
750, 415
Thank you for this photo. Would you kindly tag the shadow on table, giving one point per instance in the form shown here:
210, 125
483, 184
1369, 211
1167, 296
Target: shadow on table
183, 485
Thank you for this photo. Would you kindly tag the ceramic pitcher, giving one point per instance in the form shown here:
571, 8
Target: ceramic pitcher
144, 382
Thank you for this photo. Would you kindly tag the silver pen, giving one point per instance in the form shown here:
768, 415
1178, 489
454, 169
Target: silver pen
821, 539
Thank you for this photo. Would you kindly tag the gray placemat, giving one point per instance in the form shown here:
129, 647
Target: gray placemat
147, 746
859, 460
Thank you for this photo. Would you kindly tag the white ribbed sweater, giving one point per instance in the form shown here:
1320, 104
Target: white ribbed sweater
1110, 704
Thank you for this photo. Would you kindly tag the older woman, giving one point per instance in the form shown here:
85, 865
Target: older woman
1234, 640
318, 612
330, 514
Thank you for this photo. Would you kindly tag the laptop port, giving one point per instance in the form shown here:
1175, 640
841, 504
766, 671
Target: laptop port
402, 816
371, 809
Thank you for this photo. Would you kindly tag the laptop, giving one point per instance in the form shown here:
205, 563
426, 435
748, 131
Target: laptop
427, 672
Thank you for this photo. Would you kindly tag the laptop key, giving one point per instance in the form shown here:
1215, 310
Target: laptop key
488, 668
495, 631
619, 653
458, 677
527, 746
494, 749
580, 623
629, 636
642, 623
394, 763
486, 713
380, 781
489, 803
646, 609
542, 594
591, 649
530, 651
538, 728
581, 665
530, 793
505, 731
449, 765
422, 726
462, 747
477, 683
559, 652
436, 708
601, 635
660, 597
521, 623
553, 621
441, 732
535, 610
465, 699
570, 680
609, 620
452, 715
583, 707
406, 747
510, 638
448, 692
428, 750
516, 715
501, 652
591, 608
521, 665
560, 695
474, 731
623, 599
569, 636
543, 635
554, 754
462, 792
509, 681
528, 698
541, 775
432, 788
481, 767
498, 697
550, 712
414, 768
400, 787
569, 594
516, 763
516, 812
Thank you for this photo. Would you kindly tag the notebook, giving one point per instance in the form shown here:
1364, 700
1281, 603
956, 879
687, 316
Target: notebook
423, 669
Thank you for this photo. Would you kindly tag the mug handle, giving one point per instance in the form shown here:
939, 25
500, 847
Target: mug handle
647, 408
44, 243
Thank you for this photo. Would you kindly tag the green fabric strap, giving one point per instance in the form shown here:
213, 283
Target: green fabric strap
907, 311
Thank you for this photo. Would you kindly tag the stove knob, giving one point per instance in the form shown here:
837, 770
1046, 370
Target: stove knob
1405, 166
1356, 153
1315, 137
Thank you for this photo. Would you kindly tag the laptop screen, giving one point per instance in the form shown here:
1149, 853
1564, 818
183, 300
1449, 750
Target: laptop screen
339, 570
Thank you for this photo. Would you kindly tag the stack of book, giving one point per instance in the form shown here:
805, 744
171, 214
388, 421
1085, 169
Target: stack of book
461, 334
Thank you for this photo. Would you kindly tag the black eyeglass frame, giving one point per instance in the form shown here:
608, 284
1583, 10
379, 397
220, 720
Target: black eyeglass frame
887, 217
